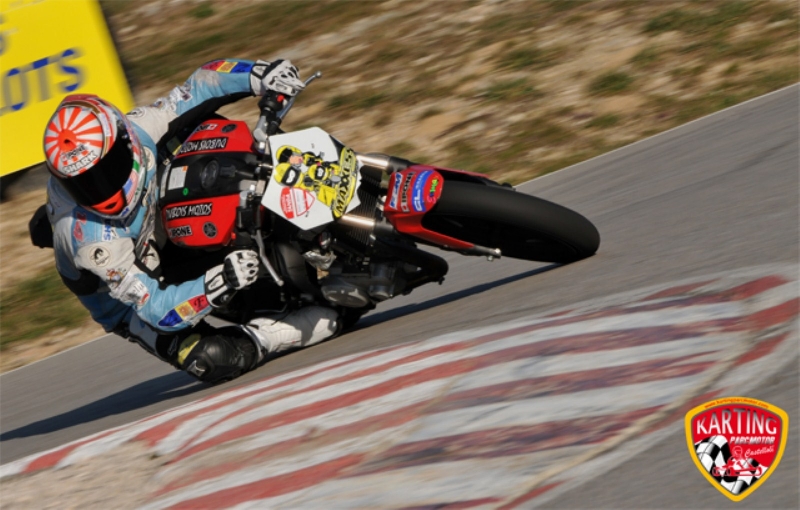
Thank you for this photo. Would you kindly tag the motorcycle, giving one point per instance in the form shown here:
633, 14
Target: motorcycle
336, 227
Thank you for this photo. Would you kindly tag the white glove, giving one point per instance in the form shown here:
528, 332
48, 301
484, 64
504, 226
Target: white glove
239, 270
279, 76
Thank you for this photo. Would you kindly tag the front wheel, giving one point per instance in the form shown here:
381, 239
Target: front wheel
521, 226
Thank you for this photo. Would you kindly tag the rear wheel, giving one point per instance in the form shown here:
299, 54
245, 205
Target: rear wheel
520, 225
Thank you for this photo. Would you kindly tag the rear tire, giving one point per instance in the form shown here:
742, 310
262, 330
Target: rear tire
521, 226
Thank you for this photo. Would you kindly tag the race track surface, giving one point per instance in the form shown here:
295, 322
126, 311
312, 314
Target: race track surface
717, 195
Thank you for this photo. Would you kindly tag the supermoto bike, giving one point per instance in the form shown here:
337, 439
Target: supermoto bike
337, 227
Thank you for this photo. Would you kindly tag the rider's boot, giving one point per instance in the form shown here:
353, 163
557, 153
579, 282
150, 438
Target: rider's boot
300, 328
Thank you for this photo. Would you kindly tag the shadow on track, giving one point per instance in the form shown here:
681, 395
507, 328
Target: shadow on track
376, 318
149, 392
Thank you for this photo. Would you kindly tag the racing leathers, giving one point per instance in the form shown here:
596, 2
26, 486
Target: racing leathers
113, 266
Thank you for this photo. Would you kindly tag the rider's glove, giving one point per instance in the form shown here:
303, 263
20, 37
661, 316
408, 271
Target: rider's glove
239, 270
279, 76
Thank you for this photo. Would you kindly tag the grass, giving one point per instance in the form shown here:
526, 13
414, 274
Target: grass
430, 112
44, 298
538, 132
698, 21
647, 58
362, 99
511, 90
513, 156
565, 5
610, 83
407, 151
202, 10
171, 59
530, 58
465, 156
603, 121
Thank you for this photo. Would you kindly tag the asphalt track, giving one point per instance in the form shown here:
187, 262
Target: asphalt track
718, 194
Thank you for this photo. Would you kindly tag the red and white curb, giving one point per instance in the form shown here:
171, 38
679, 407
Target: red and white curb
489, 417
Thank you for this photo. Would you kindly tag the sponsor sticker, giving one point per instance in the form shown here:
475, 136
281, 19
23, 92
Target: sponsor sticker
177, 177
130, 187
295, 202
208, 126
189, 211
100, 256
347, 183
185, 311
77, 229
433, 187
114, 277
404, 193
209, 144
108, 231
184, 231
418, 201
736, 443
397, 179
132, 291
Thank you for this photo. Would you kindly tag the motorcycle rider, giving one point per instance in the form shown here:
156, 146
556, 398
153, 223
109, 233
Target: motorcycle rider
101, 205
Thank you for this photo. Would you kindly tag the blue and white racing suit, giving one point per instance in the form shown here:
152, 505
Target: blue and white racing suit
110, 264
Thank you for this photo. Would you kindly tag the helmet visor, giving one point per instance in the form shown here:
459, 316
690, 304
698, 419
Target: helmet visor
101, 182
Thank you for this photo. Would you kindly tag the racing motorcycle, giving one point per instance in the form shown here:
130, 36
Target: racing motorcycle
336, 227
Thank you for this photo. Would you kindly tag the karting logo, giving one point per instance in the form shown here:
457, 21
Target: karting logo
736, 443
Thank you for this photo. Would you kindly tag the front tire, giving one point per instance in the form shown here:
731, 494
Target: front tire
521, 226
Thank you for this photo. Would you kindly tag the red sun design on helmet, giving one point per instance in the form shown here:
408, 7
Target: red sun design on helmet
93, 151
77, 136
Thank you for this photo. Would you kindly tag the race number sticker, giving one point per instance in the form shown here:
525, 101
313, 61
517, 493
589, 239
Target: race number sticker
315, 178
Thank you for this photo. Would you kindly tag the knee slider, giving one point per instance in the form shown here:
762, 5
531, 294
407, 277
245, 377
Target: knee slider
216, 358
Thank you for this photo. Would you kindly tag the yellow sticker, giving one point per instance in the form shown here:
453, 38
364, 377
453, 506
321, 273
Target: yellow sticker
187, 346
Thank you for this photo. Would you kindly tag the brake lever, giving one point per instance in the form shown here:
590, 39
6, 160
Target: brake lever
281, 114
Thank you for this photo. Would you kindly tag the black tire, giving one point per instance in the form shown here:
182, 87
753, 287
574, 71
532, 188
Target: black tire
520, 225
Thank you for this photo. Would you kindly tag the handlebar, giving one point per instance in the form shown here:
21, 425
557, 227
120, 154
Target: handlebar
281, 114
272, 114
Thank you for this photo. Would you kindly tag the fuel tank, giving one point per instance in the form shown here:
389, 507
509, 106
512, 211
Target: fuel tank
199, 190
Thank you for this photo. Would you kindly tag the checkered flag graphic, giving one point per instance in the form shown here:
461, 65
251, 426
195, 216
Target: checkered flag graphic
737, 476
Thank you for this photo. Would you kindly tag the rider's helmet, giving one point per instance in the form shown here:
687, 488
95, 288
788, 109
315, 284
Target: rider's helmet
92, 149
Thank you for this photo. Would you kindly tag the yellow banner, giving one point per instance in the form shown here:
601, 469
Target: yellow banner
50, 49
